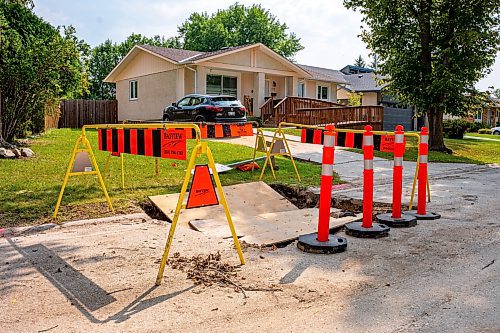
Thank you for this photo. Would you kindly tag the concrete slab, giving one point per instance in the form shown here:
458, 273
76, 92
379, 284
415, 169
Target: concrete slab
271, 228
245, 201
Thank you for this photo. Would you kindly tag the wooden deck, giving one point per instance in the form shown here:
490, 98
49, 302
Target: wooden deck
309, 111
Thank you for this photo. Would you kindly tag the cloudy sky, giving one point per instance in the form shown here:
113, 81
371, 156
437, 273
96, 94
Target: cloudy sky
328, 31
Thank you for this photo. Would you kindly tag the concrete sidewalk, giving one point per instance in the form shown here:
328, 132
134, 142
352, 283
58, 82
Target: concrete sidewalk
477, 138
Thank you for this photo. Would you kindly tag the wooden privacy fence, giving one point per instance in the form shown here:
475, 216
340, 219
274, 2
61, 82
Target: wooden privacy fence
79, 112
340, 116
288, 107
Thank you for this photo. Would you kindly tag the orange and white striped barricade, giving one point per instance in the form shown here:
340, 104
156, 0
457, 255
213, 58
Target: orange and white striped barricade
322, 241
396, 218
366, 228
421, 213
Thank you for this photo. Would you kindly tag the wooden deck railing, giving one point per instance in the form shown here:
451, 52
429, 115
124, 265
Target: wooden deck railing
340, 116
267, 110
289, 105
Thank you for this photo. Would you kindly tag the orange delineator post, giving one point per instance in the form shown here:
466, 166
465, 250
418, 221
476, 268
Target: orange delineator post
422, 171
322, 241
366, 228
325, 195
368, 178
397, 173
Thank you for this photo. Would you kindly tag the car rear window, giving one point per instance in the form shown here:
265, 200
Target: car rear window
227, 100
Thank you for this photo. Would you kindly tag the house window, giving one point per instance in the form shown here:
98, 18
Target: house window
222, 85
323, 92
133, 90
478, 116
301, 89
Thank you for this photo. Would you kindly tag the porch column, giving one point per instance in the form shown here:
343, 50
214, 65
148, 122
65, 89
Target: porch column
179, 88
258, 92
201, 80
292, 85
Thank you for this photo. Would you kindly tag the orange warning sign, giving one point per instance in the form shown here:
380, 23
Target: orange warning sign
387, 143
173, 144
202, 191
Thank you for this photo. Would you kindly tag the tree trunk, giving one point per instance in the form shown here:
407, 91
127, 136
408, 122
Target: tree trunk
436, 133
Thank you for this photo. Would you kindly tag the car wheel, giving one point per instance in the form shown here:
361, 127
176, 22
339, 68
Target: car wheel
166, 117
199, 119
496, 133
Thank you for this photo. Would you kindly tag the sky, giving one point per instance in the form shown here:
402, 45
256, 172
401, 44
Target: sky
328, 31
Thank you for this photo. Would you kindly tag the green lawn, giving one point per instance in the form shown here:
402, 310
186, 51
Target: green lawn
30, 186
464, 151
488, 136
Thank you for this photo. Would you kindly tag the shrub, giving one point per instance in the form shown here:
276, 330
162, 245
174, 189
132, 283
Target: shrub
475, 127
485, 131
456, 128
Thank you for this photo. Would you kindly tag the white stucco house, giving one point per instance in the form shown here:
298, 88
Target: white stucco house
149, 78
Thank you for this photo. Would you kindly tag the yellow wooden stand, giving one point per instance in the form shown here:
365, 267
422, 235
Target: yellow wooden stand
82, 141
199, 149
279, 135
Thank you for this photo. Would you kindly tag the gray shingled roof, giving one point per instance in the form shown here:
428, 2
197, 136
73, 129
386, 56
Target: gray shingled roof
324, 74
221, 51
173, 54
363, 82
180, 55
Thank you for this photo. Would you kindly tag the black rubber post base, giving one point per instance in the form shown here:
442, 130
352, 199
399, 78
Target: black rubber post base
405, 221
427, 216
309, 243
356, 229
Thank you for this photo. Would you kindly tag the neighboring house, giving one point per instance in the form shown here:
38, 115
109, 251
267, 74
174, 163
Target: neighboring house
489, 115
365, 82
149, 78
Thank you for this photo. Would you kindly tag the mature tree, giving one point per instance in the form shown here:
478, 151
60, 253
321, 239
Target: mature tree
238, 25
433, 51
496, 92
354, 98
107, 55
359, 61
38, 66
375, 61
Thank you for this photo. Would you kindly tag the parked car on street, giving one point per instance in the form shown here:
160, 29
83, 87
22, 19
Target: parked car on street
495, 130
206, 108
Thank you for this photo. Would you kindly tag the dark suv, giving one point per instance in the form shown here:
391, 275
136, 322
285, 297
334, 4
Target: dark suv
206, 108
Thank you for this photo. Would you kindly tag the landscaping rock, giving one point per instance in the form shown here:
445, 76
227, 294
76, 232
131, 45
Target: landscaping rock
16, 152
6, 153
26, 152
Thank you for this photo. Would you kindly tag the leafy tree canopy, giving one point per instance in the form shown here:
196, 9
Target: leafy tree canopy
39, 64
432, 52
238, 25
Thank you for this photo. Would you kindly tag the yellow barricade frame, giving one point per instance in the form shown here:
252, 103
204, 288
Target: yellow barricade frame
406, 134
201, 148
278, 135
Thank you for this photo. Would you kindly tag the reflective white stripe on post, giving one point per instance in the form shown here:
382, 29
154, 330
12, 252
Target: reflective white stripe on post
329, 140
368, 164
398, 161
424, 159
399, 138
424, 139
368, 140
327, 170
